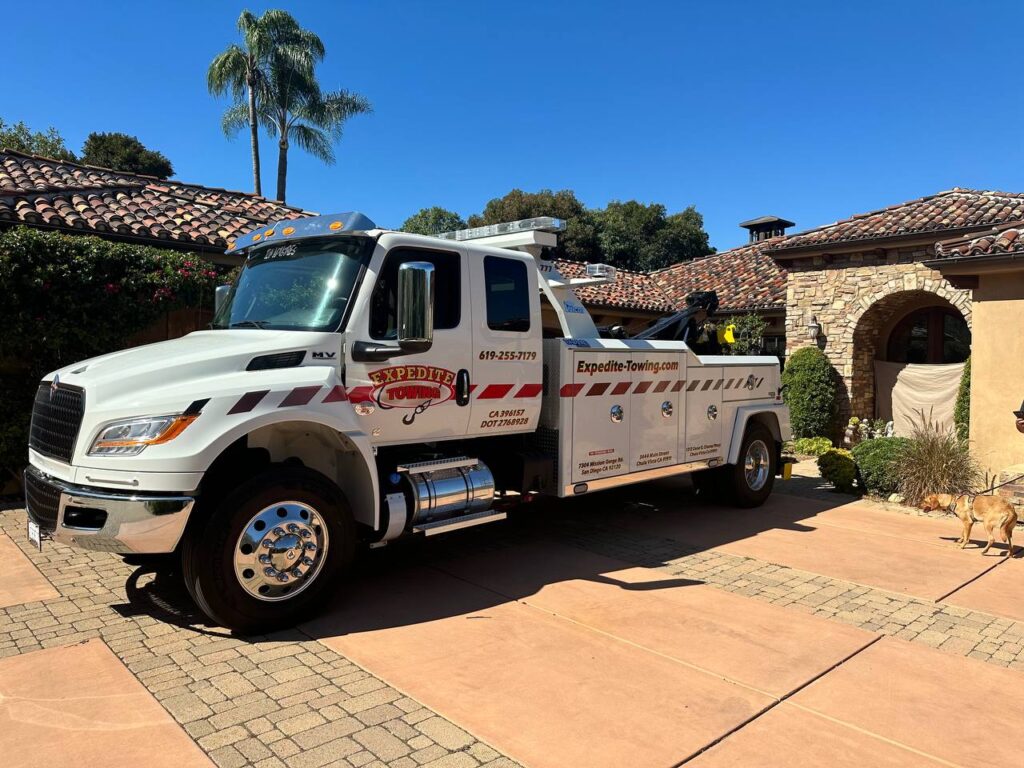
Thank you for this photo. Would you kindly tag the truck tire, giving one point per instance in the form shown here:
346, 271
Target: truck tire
271, 552
749, 482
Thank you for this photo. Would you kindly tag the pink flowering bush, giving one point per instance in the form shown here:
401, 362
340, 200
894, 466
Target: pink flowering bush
69, 297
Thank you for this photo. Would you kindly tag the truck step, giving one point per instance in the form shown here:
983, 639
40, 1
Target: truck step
455, 523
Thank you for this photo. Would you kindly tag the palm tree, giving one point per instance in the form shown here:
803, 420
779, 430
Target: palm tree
244, 70
293, 108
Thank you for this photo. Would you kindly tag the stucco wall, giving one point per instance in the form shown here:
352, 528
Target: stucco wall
855, 297
997, 370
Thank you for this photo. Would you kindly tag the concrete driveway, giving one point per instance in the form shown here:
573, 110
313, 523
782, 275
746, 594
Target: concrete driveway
640, 627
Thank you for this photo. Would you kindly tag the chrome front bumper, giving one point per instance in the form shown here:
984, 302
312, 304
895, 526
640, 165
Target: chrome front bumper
106, 520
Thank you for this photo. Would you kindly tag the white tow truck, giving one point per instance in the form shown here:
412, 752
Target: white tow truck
360, 384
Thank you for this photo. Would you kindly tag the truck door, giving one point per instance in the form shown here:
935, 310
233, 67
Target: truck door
703, 423
412, 397
507, 364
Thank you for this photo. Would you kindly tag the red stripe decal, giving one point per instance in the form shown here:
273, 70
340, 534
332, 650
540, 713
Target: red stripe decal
248, 401
680, 383
495, 391
471, 388
642, 387
662, 386
598, 388
621, 388
361, 394
336, 395
570, 390
529, 390
299, 396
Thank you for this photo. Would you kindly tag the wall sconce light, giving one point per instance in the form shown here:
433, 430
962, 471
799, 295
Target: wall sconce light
813, 329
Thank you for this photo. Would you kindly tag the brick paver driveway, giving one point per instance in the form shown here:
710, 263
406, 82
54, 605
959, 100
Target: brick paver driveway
640, 627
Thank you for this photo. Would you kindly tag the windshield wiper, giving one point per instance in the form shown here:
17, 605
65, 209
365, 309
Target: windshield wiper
250, 324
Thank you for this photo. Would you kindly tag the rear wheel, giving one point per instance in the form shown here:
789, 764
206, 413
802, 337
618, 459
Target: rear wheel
272, 551
749, 482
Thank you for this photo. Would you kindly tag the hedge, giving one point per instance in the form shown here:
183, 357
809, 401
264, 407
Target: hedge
71, 297
878, 463
837, 466
810, 389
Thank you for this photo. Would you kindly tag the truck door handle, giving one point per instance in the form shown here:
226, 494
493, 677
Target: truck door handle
462, 387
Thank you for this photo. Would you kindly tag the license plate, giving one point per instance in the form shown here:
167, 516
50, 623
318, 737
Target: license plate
34, 535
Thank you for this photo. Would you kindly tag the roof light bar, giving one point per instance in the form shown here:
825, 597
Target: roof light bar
602, 271
310, 226
536, 224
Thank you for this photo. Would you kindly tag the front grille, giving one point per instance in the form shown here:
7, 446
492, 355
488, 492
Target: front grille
56, 417
42, 501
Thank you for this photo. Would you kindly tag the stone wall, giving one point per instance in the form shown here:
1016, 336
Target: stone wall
856, 297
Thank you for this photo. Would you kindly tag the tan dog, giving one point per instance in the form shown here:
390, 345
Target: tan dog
993, 511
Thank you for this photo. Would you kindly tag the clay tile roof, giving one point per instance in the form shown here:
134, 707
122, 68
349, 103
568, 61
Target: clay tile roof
956, 209
999, 241
631, 290
744, 278
41, 191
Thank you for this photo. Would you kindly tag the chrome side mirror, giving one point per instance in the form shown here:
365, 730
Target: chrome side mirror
220, 295
415, 306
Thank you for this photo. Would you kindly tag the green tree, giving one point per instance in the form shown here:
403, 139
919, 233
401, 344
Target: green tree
243, 70
578, 242
122, 152
962, 407
634, 235
433, 221
21, 138
748, 332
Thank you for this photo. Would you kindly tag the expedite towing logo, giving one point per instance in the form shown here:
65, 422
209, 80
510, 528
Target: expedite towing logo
622, 366
412, 386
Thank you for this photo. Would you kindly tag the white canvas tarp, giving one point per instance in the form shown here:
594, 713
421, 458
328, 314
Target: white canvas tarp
903, 390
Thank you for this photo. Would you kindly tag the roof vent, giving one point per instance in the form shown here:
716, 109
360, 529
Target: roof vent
765, 227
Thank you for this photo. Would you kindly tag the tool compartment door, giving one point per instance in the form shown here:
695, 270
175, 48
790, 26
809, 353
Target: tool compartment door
702, 437
747, 382
600, 388
657, 379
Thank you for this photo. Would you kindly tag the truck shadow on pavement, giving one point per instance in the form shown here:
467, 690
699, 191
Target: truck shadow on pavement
595, 539
468, 572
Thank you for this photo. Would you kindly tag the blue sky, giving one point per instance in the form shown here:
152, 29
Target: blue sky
808, 110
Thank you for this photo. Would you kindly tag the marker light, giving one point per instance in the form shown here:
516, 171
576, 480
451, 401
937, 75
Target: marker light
130, 437
537, 224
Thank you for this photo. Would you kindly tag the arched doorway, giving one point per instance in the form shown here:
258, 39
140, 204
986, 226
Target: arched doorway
893, 339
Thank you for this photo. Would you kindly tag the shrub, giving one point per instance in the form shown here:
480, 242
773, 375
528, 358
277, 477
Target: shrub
810, 391
70, 297
810, 446
748, 332
935, 461
836, 465
962, 408
878, 464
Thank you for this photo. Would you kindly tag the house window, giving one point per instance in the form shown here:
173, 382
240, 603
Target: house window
508, 294
447, 291
934, 335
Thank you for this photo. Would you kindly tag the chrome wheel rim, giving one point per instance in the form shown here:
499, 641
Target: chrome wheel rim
756, 465
281, 551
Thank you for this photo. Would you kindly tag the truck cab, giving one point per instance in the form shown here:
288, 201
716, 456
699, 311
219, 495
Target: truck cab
358, 385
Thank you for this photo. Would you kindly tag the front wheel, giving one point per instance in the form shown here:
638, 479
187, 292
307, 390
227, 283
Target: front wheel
272, 551
750, 481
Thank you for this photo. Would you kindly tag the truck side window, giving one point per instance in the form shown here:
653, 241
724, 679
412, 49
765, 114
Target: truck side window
447, 291
508, 294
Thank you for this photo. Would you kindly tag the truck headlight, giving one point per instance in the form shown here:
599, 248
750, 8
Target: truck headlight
130, 437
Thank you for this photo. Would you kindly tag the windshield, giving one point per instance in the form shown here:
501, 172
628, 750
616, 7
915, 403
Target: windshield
303, 286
